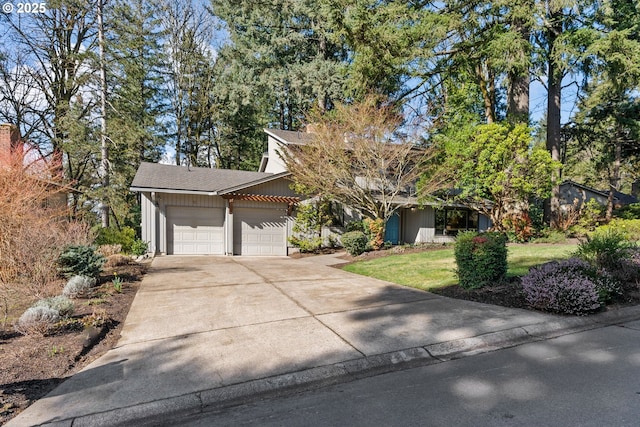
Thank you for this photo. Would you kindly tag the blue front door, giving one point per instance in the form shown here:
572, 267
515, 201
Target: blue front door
392, 231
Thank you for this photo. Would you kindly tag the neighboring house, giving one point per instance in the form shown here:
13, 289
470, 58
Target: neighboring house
574, 195
413, 223
194, 211
14, 151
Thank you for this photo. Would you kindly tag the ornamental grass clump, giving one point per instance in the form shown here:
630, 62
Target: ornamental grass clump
78, 286
481, 259
570, 286
37, 320
60, 303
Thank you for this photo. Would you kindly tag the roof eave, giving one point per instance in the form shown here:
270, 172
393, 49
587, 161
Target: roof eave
172, 190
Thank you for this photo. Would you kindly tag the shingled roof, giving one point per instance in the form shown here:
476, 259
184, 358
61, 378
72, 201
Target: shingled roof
155, 176
290, 137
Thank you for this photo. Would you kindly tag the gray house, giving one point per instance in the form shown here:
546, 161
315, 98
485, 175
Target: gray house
414, 222
193, 211
573, 194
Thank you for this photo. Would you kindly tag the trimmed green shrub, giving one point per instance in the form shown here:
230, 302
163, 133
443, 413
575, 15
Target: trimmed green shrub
78, 285
37, 320
631, 211
80, 260
139, 247
60, 303
571, 286
481, 259
125, 237
355, 242
355, 226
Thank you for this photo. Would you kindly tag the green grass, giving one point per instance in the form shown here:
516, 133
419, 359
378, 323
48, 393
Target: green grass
434, 269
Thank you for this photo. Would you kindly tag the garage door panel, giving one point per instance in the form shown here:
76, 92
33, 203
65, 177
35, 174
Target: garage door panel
195, 230
259, 232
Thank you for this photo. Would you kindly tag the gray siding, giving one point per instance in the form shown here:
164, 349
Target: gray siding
419, 225
149, 222
279, 187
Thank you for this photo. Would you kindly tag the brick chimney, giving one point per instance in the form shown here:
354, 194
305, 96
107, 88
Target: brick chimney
9, 139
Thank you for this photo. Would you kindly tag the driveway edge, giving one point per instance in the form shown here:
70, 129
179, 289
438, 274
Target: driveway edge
161, 411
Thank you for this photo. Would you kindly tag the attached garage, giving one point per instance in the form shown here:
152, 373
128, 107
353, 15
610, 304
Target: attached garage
210, 211
259, 231
195, 230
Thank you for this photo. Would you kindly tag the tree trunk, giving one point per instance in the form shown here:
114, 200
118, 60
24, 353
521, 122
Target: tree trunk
104, 147
614, 181
519, 80
552, 209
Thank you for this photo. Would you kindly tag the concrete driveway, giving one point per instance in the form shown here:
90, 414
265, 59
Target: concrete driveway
205, 330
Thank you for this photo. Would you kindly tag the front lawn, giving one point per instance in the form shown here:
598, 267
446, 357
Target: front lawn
434, 269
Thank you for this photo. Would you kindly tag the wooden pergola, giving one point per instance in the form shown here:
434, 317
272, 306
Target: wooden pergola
291, 201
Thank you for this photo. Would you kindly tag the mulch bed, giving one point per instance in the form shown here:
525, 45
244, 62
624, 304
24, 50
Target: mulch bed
32, 366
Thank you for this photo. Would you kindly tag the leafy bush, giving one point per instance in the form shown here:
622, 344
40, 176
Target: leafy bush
375, 229
605, 249
37, 320
570, 286
631, 211
627, 228
355, 226
481, 259
60, 303
80, 260
519, 227
355, 242
125, 237
592, 214
306, 244
78, 286
139, 247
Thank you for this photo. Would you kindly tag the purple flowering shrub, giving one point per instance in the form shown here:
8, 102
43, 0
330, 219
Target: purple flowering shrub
629, 267
571, 286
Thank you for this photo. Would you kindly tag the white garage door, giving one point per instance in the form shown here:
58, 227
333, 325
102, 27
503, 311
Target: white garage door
195, 231
259, 232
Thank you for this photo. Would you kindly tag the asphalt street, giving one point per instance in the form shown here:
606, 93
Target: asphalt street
589, 378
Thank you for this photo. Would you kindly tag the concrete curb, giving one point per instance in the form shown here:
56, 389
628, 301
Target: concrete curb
162, 411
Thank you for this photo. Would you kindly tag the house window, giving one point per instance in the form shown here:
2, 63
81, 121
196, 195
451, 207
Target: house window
450, 221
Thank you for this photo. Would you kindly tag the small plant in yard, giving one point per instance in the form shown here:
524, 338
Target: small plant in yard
355, 242
481, 259
54, 350
60, 303
609, 250
117, 282
96, 319
570, 286
37, 320
78, 286
80, 260
139, 247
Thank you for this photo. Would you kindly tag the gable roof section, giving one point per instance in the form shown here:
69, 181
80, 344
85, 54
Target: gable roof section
623, 198
290, 137
180, 179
